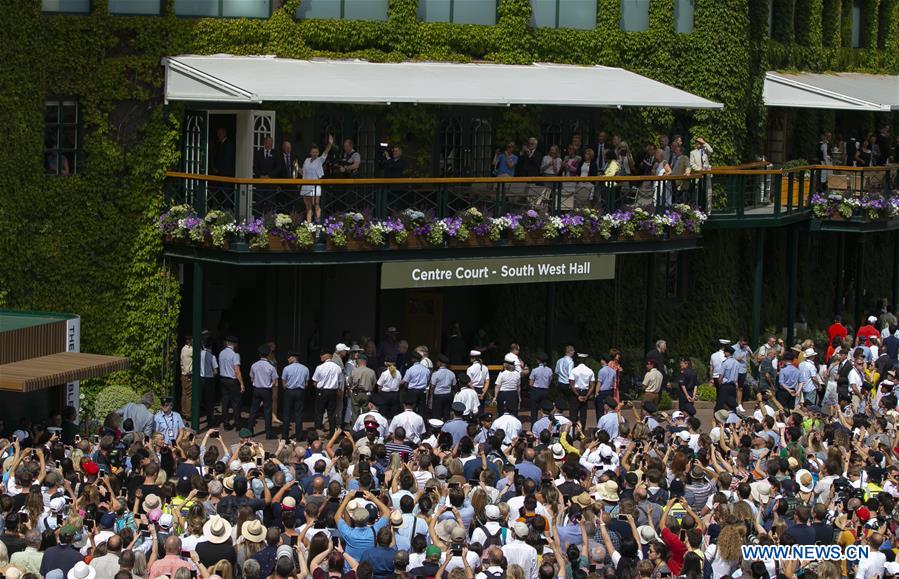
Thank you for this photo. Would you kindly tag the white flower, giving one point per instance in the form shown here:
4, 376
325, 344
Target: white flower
283, 220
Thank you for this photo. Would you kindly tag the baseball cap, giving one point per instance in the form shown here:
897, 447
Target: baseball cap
284, 551
245, 433
341, 347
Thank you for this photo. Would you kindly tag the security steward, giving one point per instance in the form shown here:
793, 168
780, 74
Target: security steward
362, 384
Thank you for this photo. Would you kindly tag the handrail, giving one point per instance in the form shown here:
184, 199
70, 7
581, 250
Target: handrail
842, 168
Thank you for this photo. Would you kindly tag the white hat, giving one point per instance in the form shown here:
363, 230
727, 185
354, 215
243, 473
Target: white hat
647, 534
493, 513
82, 570
582, 355
805, 480
872, 319
166, 520
217, 530
677, 415
760, 491
510, 359
608, 491
605, 451
474, 354
684, 435
235, 466
810, 352
341, 347
724, 341
58, 504
715, 435
558, 451
435, 423
520, 529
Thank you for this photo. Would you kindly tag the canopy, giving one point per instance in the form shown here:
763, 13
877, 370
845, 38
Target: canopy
46, 371
849, 91
256, 79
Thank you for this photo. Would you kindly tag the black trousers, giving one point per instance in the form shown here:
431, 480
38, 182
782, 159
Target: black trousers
292, 404
538, 395
507, 400
418, 399
326, 401
230, 400
263, 395
391, 404
209, 401
441, 404
727, 397
577, 410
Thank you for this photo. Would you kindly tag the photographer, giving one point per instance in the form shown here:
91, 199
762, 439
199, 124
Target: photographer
393, 164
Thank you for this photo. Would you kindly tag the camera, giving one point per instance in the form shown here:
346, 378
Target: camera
456, 549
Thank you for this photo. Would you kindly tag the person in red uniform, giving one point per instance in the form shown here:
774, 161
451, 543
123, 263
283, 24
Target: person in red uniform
836, 329
868, 331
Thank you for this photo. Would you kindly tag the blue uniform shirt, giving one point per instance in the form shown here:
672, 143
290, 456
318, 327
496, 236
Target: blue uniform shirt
730, 369
228, 358
741, 355
443, 381
457, 428
789, 377
541, 377
564, 366
295, 376
169, 425
263, 374
417, 377
606, 378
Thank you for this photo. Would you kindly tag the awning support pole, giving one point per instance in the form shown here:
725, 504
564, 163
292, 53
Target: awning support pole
649, 322
197, 323
550, 318
841, 267
859, 280
757, 287
895, 297
792, 273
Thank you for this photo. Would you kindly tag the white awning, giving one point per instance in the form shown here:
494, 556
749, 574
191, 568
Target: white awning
849, 91
256, 79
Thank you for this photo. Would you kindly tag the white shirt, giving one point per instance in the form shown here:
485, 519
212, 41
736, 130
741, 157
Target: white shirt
388, 383
520, 553
328, 376
510, 425
469, 398
478, 374
855, 379
479, 536
870, 566
412, 423
715, 363
473, 561
518, 365
508, 381
583, 377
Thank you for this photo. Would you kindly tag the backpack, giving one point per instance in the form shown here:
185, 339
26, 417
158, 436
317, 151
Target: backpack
792, 502
494, 574
494, 540
660, 497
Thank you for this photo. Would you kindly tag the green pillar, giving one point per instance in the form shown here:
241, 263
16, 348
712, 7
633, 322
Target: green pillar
197, 328
792, 282
757, 287
550, 318
895, 298
841, 267
649, 322
859, 280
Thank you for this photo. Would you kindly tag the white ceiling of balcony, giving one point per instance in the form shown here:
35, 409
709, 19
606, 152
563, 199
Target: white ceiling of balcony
850, 91
225, 78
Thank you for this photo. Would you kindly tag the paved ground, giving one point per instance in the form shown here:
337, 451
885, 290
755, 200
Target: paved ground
703, 412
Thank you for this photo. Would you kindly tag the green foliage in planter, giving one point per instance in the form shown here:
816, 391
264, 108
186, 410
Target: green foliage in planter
665, 402
111, 398
706, 392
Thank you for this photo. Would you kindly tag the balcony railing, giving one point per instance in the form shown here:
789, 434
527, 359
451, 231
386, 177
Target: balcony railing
741, 191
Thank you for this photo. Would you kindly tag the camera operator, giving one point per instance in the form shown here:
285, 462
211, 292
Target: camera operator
349, 161
393, 165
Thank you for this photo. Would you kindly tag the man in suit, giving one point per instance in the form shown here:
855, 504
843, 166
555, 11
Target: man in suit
602, 145
223, 153
265, 164
529, 160
285, 162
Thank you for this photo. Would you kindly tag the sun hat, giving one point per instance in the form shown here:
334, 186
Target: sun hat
721, 415
444, 530
793, 462
457, 534
647, 534
235, 466
558, 451
584, 499
360, 513
81, 570
608, 491
520, 529
493, 513
284, 551
810, 352
228, 482
396, 519
151, 501
804, 480
760, 491
217, 530
253, 531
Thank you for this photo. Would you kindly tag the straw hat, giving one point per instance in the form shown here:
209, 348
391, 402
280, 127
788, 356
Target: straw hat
608, 491
253, 531
151, 501
217, 530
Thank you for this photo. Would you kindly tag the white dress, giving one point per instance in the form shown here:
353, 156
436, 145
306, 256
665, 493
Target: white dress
313, 169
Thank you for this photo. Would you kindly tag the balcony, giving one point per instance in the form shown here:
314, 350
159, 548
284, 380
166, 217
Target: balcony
263, 221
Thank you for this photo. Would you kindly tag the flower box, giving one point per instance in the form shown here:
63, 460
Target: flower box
278, 244
415, 242
472, 241
644, 236
209, 245
530, 238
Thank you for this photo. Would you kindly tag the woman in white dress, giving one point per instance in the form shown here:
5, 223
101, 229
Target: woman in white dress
313, 169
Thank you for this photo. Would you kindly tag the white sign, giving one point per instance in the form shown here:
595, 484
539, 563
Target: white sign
73, 344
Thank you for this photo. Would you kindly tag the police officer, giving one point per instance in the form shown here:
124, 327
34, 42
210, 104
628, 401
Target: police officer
730, 372
442, 383
507, 388
295, 377
362, 384
581, 382
416, 380
167, 421
209, 371
231, 381
264, 378
540, 379
457, 427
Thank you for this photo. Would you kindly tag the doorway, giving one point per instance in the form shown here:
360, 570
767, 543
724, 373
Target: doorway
423, 320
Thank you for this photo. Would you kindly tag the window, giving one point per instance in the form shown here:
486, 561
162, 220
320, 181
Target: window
563, 14
449, 148
346, 9
67, 6
857, 24
458, 11
224, 8
62, 138
683, 16
145, 7
634, 15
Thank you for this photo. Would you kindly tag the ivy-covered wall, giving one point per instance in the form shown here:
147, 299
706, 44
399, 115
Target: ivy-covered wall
86, 244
